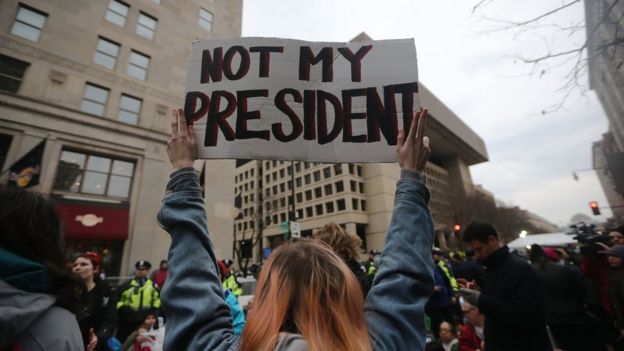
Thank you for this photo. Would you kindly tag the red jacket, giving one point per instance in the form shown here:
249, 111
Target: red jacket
468, 339
159, 278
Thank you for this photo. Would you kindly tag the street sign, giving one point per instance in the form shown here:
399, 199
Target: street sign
295, 230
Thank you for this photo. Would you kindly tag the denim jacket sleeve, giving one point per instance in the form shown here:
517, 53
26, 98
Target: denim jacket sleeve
198, 318
395, 305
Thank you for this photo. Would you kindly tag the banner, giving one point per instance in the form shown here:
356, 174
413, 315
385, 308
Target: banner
25, 172
262, 98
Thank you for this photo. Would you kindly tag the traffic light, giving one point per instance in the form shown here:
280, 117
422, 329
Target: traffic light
457, 229
594, 207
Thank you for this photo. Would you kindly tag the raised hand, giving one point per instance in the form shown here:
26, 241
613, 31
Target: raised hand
413, 151
181, 147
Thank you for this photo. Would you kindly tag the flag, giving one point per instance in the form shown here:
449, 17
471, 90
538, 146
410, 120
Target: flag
238, 207
25, 172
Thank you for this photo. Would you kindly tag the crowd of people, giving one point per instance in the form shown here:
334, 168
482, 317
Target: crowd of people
312, 294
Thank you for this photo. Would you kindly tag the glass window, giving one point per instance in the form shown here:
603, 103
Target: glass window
318, 192
298, 182
362, 188
339, 186
359, 171
129, 109
298, 167
329, 207
307, 179
353, 186
308, 195
281, 173
275, 219
351, 169
94, 100
205, 19
338, 168
106, 53
309, 212
317, 176
283, 187
341, 204
283, 217
117, 12
299, 197
319, 209
283, 202
138, 65
11, 73
146, 26
355, 204
328, 189
363, 205
327, 172
90, 174
28, 23
300, 213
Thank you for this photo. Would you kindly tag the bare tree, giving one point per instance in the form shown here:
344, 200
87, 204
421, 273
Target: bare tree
574, 59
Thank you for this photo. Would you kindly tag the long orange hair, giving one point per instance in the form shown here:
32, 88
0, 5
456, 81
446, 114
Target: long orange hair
306, 288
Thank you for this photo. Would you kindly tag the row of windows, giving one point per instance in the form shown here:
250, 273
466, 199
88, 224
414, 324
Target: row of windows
328, 189
94, 98
29, 21
245, 175
326, 172
106, 53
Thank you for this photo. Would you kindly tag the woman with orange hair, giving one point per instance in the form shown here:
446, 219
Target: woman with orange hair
306, 297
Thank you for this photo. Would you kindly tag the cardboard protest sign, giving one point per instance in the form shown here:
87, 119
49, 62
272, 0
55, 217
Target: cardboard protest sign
262, 98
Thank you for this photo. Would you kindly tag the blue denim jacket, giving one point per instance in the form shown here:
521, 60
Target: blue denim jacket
198, 318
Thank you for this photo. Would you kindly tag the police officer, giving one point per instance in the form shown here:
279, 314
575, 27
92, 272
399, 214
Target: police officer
137, 298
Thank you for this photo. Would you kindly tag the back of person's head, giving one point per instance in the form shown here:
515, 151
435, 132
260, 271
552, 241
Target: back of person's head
479, 231
30, 227
305, 288
346, 245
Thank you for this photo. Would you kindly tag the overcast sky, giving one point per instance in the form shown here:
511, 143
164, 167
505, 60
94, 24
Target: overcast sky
531, 155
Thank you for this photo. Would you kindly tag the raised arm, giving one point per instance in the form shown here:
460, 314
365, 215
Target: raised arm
198, 317
395, 306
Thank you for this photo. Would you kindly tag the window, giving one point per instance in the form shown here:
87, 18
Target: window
90, 174
274, 176
319, 209
298, 167
327, 172
281, 173
362, 188
129, 109
94, 100
11, 73
117, 12
318, 192
353, 186
338, 168
355, 204
299, 197
283, 217
205, 19
298, 182
328, 189
28, 23
309, 212
359, 171
341, 205
363, 206
275, 219
317, 176
307, 179
268, 206
106, 53
330, 207
282, 202
351, 169
137, 67
339, 186
299, 213
146, 26
308, 195
274, 189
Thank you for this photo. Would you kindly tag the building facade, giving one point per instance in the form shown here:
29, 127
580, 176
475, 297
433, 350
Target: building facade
606, 77
96, 80
357, 196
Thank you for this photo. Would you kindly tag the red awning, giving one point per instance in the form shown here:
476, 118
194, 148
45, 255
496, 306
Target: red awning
94, 221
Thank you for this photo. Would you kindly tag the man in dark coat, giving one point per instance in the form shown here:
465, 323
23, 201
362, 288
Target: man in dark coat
512, 301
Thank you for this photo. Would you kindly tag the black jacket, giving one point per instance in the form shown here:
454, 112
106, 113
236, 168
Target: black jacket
513, 305
360, 274
101, 313
564, 292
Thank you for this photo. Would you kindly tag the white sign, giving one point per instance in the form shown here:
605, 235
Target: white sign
261, 98
295, 230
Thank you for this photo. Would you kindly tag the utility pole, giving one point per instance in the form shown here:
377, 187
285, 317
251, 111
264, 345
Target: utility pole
292, 214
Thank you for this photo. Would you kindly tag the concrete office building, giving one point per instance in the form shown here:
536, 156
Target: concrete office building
603, 20
358, 196
98, 79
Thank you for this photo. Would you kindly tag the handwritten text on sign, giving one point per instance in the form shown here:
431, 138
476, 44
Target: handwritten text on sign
260, 98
